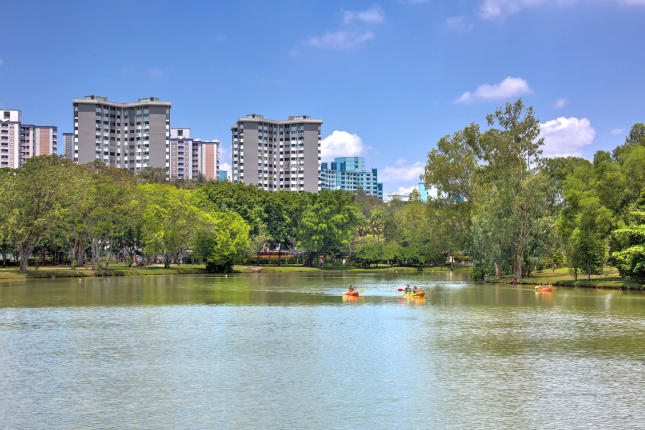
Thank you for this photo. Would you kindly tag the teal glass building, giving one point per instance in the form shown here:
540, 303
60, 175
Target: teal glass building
349, 174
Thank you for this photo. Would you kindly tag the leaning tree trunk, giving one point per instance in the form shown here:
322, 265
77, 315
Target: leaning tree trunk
25, 251
166, 260
93, 249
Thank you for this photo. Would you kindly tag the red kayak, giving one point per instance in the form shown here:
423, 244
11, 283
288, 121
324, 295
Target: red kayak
353, 293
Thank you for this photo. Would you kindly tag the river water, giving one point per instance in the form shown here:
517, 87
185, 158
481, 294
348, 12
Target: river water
287, 351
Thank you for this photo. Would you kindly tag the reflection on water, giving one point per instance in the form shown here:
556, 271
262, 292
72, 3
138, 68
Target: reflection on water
289, 351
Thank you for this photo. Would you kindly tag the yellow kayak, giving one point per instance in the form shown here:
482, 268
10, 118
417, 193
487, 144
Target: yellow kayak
419, 294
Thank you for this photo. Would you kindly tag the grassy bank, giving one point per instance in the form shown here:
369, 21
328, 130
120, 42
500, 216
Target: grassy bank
116, 270
274, 268
561, 277
187, 269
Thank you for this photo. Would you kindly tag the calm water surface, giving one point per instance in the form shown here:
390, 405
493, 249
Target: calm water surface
287, 351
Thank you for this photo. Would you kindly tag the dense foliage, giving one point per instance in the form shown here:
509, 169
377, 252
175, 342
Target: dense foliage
94, 214
516, 211
500, 204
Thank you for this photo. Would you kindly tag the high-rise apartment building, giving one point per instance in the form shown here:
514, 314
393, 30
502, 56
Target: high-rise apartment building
349, 174
277, 155
191, 157
124, 135
19, 141
70, 148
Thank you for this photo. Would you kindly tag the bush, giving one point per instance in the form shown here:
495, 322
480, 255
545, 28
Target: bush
219, 268
483, 272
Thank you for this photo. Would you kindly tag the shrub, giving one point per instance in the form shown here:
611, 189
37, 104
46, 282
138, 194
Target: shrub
219, 268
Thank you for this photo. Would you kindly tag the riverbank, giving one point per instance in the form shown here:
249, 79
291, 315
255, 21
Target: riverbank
274, 268
11, 273
561, 278
117, 270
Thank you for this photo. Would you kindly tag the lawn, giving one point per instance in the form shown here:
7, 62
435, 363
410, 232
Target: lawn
114, 270
11, 273
561, 277
274, 268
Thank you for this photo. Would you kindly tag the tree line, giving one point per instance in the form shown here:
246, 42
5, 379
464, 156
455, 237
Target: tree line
93, 215
500, 204
514, 210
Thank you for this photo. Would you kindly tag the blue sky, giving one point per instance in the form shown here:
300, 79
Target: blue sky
387, 78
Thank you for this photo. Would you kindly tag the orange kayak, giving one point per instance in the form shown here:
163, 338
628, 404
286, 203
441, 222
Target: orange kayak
545, 290
419, 294
353, 293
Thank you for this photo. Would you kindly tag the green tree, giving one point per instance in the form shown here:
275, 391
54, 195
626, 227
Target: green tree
259, 242
153, 175
327, 224
35, 198
170, 217
630, 261
635, 138
222, 239
585, 225
451, 165
104, 207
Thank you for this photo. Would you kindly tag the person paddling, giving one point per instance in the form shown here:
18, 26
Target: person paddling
416, 289
351, 289
408, 290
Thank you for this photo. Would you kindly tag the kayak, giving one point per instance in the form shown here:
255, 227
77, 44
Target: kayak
353, 293
545, 290
419, 294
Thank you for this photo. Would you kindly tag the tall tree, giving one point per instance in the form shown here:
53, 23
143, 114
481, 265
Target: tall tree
170, 217
35, 199
221, 239
327, 224
630, 260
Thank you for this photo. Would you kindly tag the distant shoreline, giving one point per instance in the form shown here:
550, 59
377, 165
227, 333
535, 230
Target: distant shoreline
55, 272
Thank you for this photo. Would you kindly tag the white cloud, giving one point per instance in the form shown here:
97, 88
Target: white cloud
508, 88
224, 152
225, 166
491, 9
402, 191
402, 171
500, 9
126, 70
566, 136
458, 23
617, 130
342, 144
156, 72
412, 1
559, 103
372, 15
339, 39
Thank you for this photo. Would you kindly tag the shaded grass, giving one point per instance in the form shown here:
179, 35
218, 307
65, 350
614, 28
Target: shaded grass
66, 272
274, 268
609, 279
11, 273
